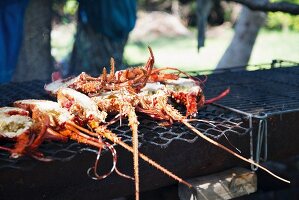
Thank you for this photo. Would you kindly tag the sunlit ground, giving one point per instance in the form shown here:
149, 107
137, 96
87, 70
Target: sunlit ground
182, 52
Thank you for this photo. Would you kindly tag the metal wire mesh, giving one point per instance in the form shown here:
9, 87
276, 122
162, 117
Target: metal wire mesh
261, 92
53, 150
216, 122
26, 90
256, 92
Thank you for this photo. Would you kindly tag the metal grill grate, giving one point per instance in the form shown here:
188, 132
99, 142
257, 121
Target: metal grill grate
53, 150
261, 92
26, 90
256, 93
220, 122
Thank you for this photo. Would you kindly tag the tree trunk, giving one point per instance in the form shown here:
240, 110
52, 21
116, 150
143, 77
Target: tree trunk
92, 51
246, 30
35, 62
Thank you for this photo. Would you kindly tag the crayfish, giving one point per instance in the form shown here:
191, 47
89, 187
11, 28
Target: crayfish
84, 102
146, 90
33, 121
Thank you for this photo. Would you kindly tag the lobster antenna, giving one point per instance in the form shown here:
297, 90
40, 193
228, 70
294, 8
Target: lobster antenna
142, 156
93, 169
214, 126
231, 152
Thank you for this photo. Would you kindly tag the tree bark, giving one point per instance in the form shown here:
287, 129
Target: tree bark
35, 61
92, 52
246, 30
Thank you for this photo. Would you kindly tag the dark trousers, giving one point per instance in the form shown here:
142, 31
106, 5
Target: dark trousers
11, 31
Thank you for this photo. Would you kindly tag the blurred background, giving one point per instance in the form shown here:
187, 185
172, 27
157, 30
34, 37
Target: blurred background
71, 36
170, 28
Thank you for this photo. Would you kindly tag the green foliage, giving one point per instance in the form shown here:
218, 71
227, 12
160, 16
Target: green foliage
228, 11
64, 11
283, 21
70, 7
290, 1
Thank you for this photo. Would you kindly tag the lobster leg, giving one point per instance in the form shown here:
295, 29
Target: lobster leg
53, 135
111, 76
6, 149
112, 137
93, 169
133, 122
44, 121
100, 131
76, 135
155, 164
220, 96
148, 67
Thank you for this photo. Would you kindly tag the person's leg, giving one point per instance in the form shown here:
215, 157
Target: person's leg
11, 31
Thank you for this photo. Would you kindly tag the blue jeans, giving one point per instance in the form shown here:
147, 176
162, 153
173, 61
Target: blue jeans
11, 31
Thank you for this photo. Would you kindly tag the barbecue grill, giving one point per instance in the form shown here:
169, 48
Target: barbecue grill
261, 95
258, 115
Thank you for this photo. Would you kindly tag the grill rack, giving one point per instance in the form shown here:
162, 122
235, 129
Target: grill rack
259, 95
260, 92
233, 114
220, 123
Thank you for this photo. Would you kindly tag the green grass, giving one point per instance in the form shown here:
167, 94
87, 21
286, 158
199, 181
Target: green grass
276, 45
62, 40
181, 52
